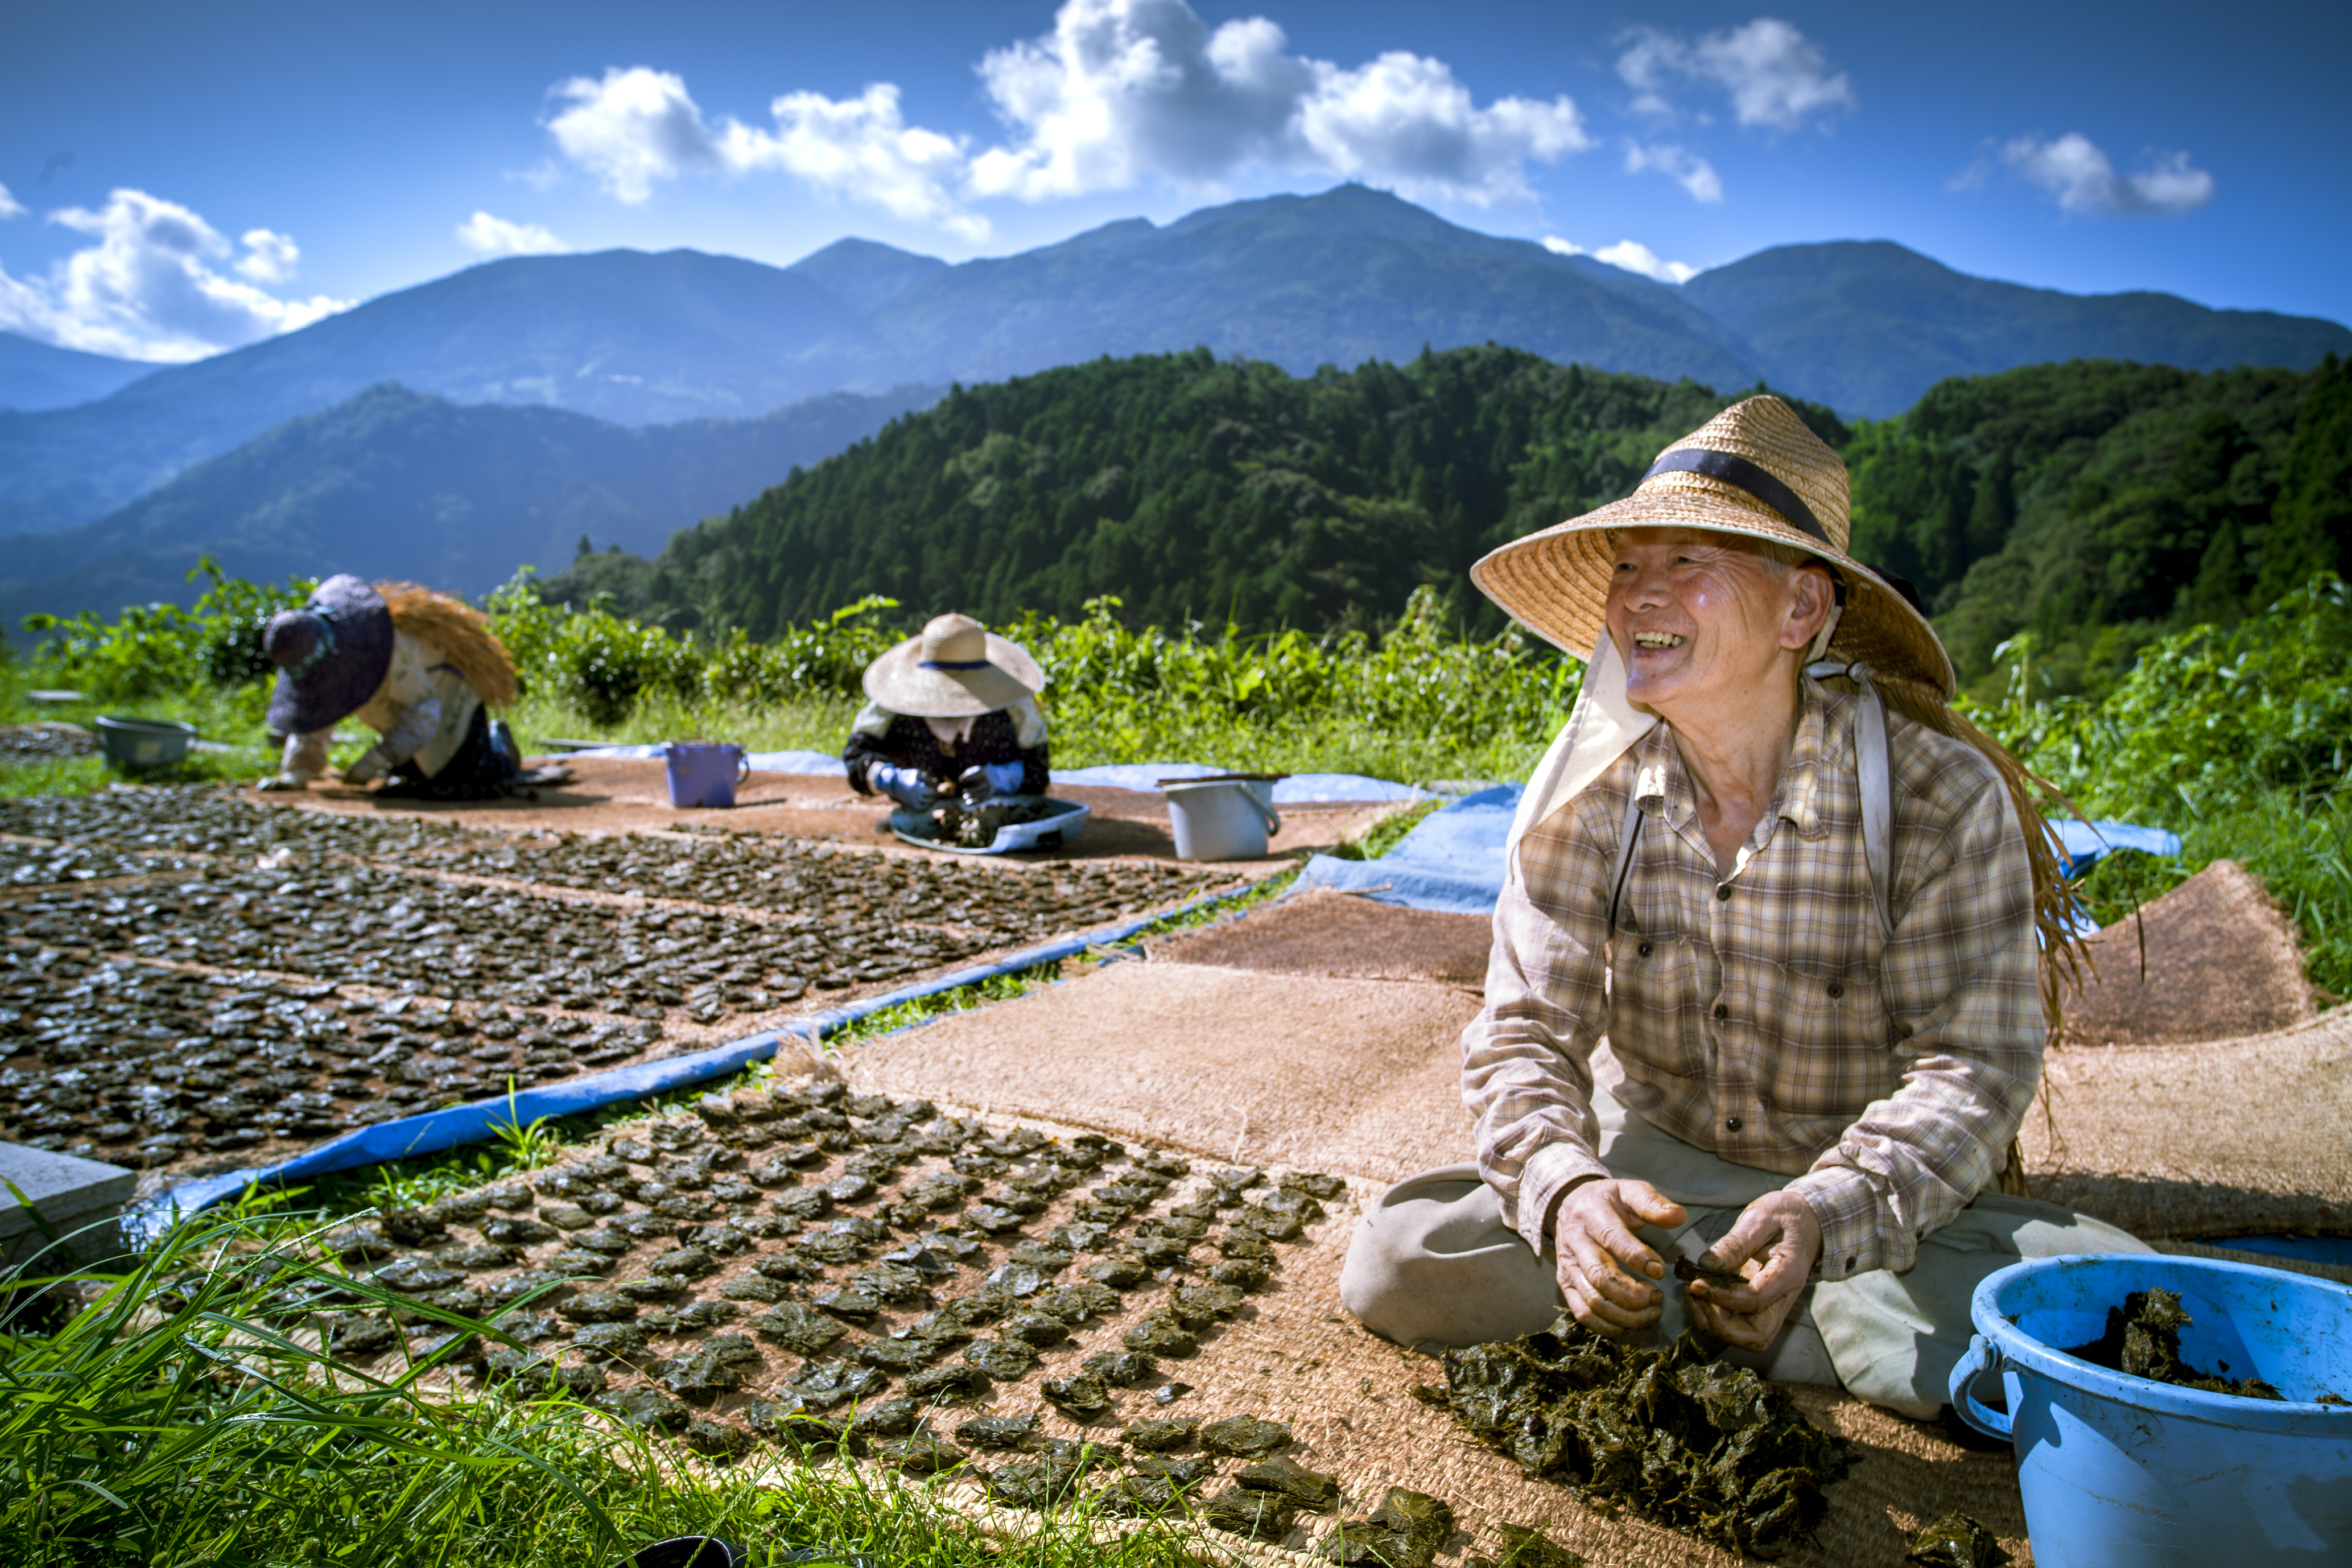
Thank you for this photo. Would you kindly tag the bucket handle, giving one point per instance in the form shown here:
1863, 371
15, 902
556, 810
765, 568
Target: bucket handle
1982, 1356
1273, 821
743, 766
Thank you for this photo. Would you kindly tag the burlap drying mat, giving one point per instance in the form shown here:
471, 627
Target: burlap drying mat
630, 794
1342, 936
2225, 1138
1357, 1078
2222, 961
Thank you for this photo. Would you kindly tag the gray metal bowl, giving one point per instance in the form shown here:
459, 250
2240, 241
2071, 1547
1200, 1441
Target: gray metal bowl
143, 742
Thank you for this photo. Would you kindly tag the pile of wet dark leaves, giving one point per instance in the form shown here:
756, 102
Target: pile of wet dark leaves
44, 743
1676, 1435
2143, 1338
183, 973
832, 1273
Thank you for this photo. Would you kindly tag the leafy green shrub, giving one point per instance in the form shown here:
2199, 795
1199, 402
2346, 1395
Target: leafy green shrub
153, 649
2210, 719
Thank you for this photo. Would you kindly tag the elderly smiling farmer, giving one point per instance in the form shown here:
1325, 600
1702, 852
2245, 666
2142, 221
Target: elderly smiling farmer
1817, 918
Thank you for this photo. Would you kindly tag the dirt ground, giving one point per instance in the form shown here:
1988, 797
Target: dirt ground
624, 795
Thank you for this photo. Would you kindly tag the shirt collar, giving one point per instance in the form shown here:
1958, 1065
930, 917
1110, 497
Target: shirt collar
1661, 787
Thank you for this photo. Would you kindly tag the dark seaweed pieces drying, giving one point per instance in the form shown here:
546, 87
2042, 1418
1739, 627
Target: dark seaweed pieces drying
1404, 1531
1690, 1441
1260, 1516
1956, 1541
1018, 1432
2143, 1338
1245, 1436
1308, 1489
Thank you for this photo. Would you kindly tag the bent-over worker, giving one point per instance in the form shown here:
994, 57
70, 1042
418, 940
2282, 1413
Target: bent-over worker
950, 713
419, 668
1817, 918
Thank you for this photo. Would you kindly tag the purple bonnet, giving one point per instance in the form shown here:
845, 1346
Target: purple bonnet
332, 655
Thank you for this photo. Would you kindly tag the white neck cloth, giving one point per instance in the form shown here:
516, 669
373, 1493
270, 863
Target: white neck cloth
1601, 728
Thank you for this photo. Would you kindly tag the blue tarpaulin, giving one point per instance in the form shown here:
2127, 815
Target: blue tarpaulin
1453, 860
1298, 789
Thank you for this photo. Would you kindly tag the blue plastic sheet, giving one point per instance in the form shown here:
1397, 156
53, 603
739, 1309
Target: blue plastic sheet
435, 1131
1298, 789
1452, 861
2088, 843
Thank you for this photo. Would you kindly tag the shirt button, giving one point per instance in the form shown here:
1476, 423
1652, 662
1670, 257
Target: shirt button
1731, 1123
1721, 1011
1722, 891
1644, 949
1837, 989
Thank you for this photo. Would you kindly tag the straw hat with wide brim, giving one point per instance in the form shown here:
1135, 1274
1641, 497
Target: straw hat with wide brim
1753, 470
955, 669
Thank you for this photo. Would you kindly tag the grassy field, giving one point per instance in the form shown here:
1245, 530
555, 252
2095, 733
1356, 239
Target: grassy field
185, 1416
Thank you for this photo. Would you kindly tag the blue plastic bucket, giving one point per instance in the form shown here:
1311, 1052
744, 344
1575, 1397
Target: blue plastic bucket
702, 773
2119, 1470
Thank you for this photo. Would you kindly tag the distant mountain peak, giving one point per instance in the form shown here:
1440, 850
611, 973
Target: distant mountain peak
865, 273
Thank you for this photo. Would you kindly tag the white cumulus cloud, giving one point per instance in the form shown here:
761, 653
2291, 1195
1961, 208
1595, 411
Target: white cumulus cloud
10, 206
1773, 73
146, 286
269, 257
1629, 253
2073, 170
1634, 257
1125, 90
633, 128
487, 235
1120, 91
860, 147
1692, 172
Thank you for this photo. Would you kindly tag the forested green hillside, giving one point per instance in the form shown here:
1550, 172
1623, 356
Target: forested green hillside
1188, 487
2094, 504
2097, 505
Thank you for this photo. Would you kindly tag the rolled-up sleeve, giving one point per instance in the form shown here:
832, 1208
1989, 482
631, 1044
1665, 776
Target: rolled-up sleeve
1526, 1074
1958, 977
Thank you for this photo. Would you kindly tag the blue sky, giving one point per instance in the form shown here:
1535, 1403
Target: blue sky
180, 179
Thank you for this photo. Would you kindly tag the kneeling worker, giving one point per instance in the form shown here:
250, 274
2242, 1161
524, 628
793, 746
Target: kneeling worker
1815, 914
952, 715
420, 669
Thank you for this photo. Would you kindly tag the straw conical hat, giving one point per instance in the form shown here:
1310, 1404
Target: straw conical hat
1753, 470
955, 669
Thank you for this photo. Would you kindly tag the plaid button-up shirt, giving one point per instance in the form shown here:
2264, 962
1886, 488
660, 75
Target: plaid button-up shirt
1768, 1015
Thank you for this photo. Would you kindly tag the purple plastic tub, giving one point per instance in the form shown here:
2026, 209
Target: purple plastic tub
704, 774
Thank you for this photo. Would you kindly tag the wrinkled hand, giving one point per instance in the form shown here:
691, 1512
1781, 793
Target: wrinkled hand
1774, 1245
1604, 1271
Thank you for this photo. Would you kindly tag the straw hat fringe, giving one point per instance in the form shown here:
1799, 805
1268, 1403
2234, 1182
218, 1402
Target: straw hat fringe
462, 634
